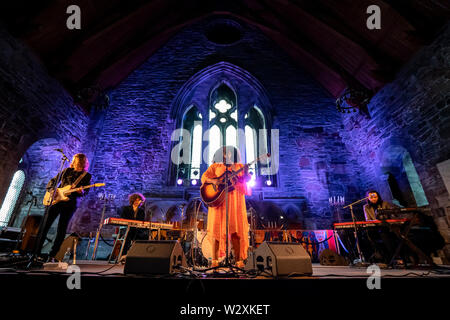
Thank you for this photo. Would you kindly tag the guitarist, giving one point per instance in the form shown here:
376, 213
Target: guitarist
227, 158
77, 176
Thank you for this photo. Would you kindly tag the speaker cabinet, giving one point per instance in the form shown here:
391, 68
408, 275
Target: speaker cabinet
29, 238
68, 245
154, 257
280, 259
330, 258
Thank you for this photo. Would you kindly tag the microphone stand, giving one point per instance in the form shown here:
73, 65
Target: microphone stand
105, 197
227, 258
37, 248
195, 234
361, 258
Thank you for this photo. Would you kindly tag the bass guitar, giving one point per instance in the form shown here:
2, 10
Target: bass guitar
214, 195
63, 193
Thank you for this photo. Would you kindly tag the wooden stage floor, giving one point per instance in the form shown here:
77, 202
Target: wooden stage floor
102, 268
331, 290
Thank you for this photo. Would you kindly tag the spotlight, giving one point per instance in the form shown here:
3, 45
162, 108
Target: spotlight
180, 182
251, 183
194, 182
268, 183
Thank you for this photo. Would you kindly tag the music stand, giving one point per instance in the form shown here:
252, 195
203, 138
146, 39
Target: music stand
37, 248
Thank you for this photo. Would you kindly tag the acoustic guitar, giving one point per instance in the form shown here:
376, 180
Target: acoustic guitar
214, 195
63, 193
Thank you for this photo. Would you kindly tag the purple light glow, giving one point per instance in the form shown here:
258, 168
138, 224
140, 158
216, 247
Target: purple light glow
180, 182
194, 182
251, 183
268, 182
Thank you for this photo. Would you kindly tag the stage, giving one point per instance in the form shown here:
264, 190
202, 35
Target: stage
329, 290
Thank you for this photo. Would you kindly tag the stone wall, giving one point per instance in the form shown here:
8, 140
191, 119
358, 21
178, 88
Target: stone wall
133, 149
410, 115
36, 116
322, 153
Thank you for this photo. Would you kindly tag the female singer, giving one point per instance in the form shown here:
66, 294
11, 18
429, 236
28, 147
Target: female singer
227, 158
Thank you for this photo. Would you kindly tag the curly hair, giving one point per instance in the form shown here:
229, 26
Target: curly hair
132, 197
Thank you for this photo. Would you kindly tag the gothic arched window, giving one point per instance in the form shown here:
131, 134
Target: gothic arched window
221, 128
222, 120
192, 123
13, 193
256, 143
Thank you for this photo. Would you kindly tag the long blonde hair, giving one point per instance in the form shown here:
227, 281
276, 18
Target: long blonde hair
82, 161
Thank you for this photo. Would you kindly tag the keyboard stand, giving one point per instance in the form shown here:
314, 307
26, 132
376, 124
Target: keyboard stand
403, 237
121, 247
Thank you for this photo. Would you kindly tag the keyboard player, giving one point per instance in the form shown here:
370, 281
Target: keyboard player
382, 240
375, 202
134, 211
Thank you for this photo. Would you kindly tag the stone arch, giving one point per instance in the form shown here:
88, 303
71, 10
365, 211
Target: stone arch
211, 77
402, 182
41, 162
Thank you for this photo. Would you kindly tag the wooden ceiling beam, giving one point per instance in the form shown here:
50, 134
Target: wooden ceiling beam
418, 15
120, 69
282, 26
349, 56
319, 69
321, 13
103, 44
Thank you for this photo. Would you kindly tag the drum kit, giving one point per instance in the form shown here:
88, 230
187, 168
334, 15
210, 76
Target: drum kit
194, 238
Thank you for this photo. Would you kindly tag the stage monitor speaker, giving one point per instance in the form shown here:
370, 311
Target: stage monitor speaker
280, 259
154, 257
330, 258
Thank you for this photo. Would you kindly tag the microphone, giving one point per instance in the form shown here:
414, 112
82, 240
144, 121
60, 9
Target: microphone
61, 150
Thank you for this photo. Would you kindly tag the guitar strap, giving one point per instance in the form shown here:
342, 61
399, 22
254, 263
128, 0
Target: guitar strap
74, 185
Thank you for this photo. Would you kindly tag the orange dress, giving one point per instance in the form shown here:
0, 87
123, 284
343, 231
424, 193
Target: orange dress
237, 213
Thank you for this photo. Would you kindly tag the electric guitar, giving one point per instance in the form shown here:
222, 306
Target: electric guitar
214, 195
63, 193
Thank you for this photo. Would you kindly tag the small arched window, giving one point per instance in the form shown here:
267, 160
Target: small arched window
192, 122
9, 204
256, 144
222, 120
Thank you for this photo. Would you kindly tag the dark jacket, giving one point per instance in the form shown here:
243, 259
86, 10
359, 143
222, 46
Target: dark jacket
127, 212
69, 176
